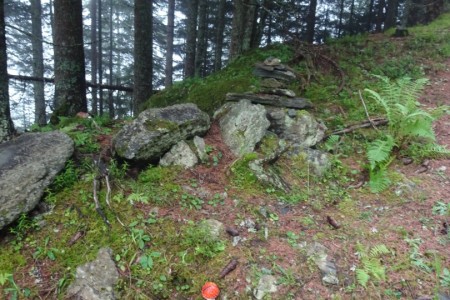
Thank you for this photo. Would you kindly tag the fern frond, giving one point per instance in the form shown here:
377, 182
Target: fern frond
331, 142
418, 128
379, 181
430, 150
362, 277
379, 250
379, 151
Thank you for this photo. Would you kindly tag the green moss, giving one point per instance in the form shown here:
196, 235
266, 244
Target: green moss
209, 93
160, 125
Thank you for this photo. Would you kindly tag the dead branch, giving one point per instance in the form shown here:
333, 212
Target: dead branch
365, 124
88, 84
365, 109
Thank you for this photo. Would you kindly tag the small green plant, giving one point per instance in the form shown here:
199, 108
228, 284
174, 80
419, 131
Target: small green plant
67, 178
441, 208
218, 199
415, 256
292, 238
371, 267
445, 278
198, 238
191, 202
138, 235
45, 251
11, 290
147, 261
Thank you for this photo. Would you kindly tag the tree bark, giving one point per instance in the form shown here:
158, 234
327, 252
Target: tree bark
391, 14
94, 55
111, 112
311, 21
6, 124
380, 16
169, 50
200, 53
369, 16
143, 53
70, 82
341, 16
100, 55
191, 36
38, 63
218, 51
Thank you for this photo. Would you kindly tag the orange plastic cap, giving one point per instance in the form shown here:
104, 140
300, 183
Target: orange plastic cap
210, 291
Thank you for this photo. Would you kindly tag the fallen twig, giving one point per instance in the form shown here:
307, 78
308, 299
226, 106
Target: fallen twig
365, 109
365, 124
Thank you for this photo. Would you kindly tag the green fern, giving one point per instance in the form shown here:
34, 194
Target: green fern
331, 142
371, 266
379, 151
406, 122
419, 151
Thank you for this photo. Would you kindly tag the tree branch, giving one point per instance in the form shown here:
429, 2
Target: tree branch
89, 84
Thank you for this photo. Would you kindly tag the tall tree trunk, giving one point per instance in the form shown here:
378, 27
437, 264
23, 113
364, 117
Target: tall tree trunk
369, 15
380, 16
52, 24
311, 21
201, 39
341, 16
391, 14
70, 72
352, 14
6, 124
238, 30
110, 93
94, 55
100, 55
169, 50
38, 63
218, 51
143, 53
263, 17
191, 36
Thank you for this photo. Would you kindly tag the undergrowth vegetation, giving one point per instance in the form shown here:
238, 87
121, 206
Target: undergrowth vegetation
161, 245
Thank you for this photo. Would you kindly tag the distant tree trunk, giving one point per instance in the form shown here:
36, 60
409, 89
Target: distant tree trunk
100, 56
263, 15
70, 72
143, 53
341, 16
169, 50
94, 55
218, 51
111, 44
242, 29
52, 24
200, 53
191, 36
6, 124
350, 22
269, 30
311, 21
369, 16
391, 14
38, 63
380, 16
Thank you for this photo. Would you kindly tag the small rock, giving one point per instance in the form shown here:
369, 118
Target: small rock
95, 280
215, 227
407, 160
266, 285
200, 148
180, 155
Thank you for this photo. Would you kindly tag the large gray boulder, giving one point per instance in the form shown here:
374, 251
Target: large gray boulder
28, 164
95, 280
243, 126
156, 130
298, 127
